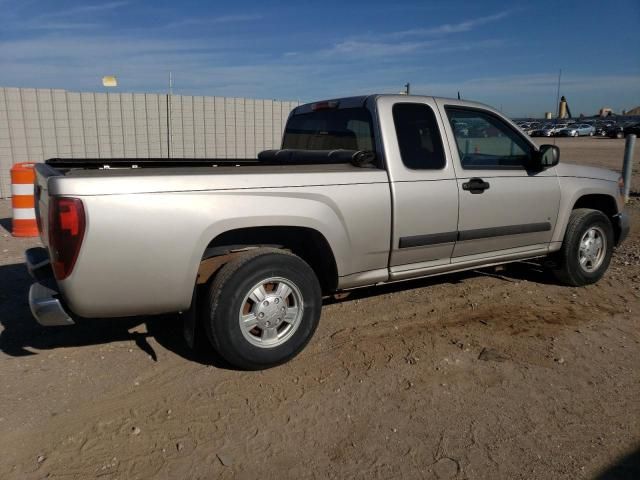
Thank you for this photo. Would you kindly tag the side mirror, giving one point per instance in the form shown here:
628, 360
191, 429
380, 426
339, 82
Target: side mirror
547, 156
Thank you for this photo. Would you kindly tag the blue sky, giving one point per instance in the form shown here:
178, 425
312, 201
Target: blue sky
503, 53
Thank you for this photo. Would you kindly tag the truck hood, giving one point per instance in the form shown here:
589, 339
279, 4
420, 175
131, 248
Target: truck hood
582, 171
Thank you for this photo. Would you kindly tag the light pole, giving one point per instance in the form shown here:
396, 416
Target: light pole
109, 81
169, 142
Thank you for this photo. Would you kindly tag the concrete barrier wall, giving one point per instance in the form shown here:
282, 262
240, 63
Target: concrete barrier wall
36, 124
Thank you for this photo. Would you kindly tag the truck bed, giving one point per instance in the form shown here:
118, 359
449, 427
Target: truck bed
206, 169
281, 157
148, 175
73, 164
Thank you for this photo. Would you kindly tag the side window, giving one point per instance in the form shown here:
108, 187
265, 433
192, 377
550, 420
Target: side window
485, 141
418, 136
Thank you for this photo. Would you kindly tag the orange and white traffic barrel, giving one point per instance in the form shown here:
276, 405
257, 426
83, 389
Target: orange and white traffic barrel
23, 200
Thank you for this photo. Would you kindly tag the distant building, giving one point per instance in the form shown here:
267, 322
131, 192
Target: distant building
634, 112
548, 115
606, 112
563, 108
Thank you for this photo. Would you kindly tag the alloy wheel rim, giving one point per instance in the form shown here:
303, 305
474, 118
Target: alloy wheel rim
271, 312
592, 249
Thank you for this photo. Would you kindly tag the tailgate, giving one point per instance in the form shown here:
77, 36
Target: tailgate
41, 193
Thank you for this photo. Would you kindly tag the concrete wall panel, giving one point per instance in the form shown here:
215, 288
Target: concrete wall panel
37, 124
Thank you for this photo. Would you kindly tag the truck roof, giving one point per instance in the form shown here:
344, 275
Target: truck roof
360, 101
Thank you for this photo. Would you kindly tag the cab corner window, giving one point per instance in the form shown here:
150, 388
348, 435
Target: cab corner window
418, 136
484, 141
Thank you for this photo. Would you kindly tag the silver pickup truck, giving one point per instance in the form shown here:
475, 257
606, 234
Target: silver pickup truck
365, 191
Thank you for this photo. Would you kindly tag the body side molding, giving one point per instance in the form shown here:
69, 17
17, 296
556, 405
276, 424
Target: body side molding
461, 236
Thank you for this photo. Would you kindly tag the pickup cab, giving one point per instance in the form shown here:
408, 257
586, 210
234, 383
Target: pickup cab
365, 191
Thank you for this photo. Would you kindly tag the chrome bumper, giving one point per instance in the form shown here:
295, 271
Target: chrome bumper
43, 296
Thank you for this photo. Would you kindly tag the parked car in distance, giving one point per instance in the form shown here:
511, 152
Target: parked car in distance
538, 132
461, 128
601, 128
615, 131
633, 128
532, 127
528, 127
549, 130
577, 130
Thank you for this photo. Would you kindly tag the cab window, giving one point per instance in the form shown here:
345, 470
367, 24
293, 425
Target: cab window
418, 136
485, 141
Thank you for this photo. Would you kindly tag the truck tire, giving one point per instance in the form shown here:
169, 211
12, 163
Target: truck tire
586, 249
263, 308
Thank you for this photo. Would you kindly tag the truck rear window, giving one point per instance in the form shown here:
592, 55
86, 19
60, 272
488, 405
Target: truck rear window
333, 129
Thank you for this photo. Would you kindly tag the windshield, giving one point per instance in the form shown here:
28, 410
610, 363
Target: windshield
331, 129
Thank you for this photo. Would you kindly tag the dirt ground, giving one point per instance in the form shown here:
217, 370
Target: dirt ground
489, 374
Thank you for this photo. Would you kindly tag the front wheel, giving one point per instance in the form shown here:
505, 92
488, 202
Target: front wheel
586, 249
263, 308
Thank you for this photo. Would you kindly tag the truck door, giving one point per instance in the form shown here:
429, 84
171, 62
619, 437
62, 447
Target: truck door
504, 207
423, 184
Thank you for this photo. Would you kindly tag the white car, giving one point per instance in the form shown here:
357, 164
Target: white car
577, 130
549, 130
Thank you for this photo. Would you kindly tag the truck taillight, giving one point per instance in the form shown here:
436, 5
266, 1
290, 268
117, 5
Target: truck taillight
66, 231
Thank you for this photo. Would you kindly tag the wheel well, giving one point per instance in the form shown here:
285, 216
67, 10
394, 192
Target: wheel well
605, 203
307, 243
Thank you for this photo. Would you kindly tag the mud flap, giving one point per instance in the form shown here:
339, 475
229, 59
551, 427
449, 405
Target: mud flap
189, 321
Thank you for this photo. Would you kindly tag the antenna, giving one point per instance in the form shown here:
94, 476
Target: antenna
557, 106
558, 95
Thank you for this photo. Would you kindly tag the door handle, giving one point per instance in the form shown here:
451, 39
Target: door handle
475, 185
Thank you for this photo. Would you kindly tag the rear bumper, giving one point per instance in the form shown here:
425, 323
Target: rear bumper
44, 301
623, 226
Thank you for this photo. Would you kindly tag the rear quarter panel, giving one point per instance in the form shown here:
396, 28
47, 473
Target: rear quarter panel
141, 252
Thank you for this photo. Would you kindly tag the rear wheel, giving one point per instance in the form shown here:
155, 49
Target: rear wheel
263, 308
586, 249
